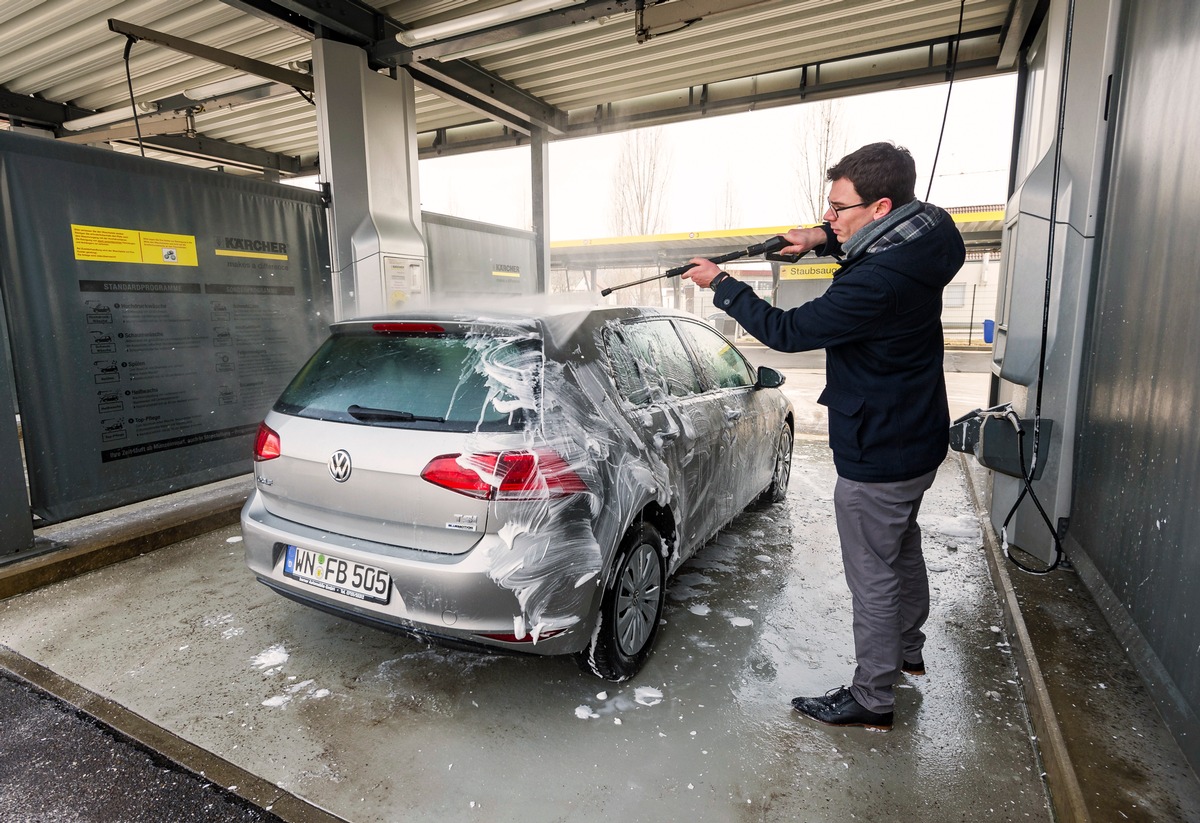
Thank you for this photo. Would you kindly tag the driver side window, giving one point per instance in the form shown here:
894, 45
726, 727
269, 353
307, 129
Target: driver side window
720, 364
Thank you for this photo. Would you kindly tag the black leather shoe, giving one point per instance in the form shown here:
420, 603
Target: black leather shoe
839, 708
916, 669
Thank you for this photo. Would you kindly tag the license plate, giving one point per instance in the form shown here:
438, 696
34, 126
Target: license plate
333, 574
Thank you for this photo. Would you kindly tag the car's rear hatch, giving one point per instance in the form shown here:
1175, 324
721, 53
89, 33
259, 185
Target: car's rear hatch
390, 432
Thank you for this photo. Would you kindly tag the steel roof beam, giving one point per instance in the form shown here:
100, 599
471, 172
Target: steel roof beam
35, 110
487, 93
247, 65
461, 80
225, 152
1024, 19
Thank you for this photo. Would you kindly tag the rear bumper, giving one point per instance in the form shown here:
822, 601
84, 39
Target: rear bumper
450, 599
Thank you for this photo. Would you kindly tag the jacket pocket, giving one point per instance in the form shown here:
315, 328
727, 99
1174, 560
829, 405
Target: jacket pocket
845, 422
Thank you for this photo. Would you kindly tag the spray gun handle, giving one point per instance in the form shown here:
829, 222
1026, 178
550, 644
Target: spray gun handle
768, 246
678, 270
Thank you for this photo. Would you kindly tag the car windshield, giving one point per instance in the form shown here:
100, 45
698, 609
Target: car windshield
419, 381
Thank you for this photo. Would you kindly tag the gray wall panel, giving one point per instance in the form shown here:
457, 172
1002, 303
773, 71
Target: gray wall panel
1135, 511
155, 313
467, 258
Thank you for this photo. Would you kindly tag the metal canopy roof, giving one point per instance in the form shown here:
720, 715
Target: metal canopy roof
582, 67
980, 227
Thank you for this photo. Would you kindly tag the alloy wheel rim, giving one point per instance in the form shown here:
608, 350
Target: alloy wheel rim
783, 462
639, 590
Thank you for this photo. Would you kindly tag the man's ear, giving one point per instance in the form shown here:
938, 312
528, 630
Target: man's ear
883, 207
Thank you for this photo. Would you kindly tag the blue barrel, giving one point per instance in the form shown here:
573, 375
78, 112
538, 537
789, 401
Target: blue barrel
989, 330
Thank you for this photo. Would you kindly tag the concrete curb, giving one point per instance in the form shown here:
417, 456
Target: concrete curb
99, 540
1066, 795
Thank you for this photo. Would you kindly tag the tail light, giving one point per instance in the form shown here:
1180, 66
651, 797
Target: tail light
266, 444
408, 328
515, 475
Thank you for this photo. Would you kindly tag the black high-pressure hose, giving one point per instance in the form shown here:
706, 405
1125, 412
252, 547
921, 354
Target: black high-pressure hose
133, 102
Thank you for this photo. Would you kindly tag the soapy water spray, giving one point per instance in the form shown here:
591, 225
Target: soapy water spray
767, 248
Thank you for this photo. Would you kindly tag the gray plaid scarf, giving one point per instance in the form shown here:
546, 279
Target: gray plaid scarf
901, 225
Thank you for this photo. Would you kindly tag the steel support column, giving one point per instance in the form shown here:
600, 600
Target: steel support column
366, 128
539, 163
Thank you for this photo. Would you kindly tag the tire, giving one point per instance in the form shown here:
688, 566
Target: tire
776, 492
631, 608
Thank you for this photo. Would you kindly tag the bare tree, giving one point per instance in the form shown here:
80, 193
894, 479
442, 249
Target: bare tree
821, 142
639, 192
727, 207
639, 196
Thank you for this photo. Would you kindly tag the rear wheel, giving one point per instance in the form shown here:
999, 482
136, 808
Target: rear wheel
777, 491
631, 608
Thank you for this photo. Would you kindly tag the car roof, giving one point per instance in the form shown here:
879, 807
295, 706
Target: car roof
558, 321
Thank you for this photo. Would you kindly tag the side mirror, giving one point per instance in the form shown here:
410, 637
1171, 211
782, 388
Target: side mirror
769, 378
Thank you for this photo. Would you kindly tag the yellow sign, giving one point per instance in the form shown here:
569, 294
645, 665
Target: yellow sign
809, 271
108, 245
260, 255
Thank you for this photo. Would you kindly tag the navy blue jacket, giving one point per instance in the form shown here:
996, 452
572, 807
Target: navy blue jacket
880, 325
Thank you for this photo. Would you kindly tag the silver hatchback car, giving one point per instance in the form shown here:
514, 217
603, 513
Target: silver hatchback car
520, 481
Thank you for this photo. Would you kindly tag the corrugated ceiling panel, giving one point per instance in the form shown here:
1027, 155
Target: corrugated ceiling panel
62, 51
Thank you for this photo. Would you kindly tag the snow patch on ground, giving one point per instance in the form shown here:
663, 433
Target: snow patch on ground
963, 529
741, 621
700, 608
648, 695
270, 658
304, 690
612, 706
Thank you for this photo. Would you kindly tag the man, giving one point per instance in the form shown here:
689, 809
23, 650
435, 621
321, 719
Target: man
880, 325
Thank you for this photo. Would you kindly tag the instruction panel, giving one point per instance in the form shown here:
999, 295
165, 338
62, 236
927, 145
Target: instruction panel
161, 308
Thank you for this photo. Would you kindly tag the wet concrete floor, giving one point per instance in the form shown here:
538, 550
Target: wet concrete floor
374, 727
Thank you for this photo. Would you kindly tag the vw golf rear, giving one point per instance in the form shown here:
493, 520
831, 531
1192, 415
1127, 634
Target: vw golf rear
487, 482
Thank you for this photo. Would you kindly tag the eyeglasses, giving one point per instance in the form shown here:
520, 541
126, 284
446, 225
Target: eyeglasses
837, 210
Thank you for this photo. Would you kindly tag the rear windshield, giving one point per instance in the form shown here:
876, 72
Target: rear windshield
419, 381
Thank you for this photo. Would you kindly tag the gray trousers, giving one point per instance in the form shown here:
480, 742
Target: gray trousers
885, 570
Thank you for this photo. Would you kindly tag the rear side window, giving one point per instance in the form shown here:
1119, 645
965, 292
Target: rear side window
661, 359
444, 382
721, 364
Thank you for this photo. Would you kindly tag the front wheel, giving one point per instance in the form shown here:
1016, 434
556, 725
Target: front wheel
631, 608
776, 492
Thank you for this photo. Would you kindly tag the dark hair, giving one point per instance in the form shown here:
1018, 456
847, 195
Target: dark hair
878, 170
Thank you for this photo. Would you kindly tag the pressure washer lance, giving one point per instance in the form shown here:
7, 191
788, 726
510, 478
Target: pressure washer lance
766, 248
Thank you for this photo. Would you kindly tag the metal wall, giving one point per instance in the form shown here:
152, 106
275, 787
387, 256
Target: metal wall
154, 313
1135, 522
467, 259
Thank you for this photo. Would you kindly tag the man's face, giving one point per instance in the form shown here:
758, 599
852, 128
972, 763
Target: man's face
851, 213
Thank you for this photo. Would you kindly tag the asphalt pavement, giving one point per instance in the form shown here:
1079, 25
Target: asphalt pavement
60, 764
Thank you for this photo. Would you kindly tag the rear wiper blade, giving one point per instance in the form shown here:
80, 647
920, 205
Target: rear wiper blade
389, 416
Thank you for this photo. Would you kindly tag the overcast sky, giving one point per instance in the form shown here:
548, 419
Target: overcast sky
752, 154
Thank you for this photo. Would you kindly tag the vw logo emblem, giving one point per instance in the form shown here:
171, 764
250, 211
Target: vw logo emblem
339, 465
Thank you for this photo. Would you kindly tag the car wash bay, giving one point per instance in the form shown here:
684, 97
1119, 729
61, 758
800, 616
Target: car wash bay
371, 726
